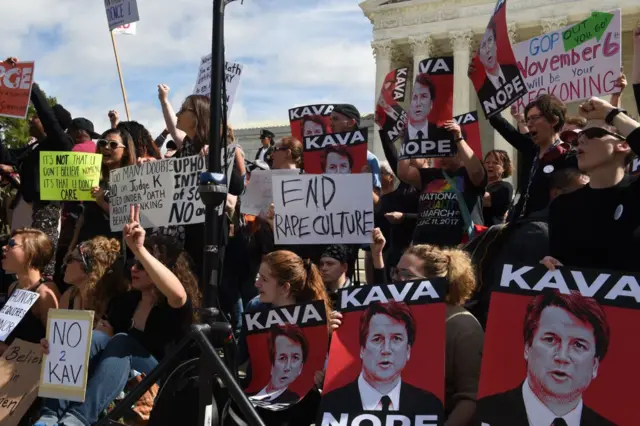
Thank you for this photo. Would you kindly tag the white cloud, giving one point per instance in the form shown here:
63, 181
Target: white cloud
293, 51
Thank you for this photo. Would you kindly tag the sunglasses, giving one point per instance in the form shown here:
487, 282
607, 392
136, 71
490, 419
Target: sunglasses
78, 255
139, 266
183, 110
12, 243
599, 132
113, 145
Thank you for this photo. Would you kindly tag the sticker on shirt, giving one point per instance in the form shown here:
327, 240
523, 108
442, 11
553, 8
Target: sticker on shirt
548, 169
618, 213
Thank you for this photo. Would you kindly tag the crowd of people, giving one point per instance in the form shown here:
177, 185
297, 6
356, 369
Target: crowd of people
575, 205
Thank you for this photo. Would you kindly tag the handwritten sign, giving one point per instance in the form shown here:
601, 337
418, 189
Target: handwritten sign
64, 371
589, 68
14, 310
323, 209
121, 12
15, 89
232, 74
68, 176
20, 366
259, 195
128, 29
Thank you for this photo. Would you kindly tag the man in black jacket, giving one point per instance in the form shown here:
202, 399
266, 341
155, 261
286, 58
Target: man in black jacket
266, 150
387, 334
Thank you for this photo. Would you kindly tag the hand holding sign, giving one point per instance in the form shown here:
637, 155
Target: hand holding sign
133, 232
454, 128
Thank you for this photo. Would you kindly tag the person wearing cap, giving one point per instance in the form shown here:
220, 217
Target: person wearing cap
598, 226
346, 118
572, 128
333, 268
265, 151
82, 132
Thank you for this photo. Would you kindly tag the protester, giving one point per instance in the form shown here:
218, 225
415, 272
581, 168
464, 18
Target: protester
499, 193
333, 268
26, 254
266, 148
597, 226
145, 147
451, 199
572, 128
287, 154
155, 313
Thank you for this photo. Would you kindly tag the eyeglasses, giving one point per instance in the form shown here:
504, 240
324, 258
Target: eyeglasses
12, 243
399, 274
113, 145
533, 118
183, 110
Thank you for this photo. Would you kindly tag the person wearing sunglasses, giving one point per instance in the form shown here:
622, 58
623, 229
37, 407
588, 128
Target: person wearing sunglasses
155, 313
598, 226
118, 150
26, 254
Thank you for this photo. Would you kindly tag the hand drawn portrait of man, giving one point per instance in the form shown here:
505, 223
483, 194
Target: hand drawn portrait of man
387, 334
566, 338
422, 102
288, 352
497, 75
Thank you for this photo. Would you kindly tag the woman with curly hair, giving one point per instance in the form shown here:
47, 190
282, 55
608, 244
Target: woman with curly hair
464, 334
145, 147
154, 314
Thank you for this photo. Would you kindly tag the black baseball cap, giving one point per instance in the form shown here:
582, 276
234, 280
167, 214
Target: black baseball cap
264, 133
86, 125
348, 111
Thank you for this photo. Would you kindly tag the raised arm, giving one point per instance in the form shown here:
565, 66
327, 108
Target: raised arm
473, 165
407, 172
170, 115
161, 276
57, 139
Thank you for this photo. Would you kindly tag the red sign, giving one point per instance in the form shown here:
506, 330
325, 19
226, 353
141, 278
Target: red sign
15, 88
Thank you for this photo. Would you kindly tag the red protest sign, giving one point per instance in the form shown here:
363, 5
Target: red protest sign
15, 88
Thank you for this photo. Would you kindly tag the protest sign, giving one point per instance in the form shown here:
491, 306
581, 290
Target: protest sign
64, 370
296, 341
121, 12
496, 78
431, 106
390, 115
634, 168
69, 176
15, 88
323, 209
562, 337
14, 310
20, 366
310, 120
573, 63
259, 194
336, 153
232, 75
390, 335
128, 29
470, 127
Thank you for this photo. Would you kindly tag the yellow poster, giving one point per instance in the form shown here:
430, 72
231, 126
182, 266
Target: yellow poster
68, 176
64, 369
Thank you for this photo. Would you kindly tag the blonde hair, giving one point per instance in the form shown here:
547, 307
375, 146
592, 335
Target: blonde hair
106, 273
37, 247
452, 264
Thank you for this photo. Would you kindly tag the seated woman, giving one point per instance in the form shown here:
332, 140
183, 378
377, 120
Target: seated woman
145, 320
26, 255
464, 335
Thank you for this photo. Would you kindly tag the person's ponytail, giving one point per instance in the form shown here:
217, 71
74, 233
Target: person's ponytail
314, 288
460, 275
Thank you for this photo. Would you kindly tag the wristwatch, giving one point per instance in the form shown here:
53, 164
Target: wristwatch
612, 114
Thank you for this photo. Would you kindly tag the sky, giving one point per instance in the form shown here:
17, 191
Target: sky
294, 52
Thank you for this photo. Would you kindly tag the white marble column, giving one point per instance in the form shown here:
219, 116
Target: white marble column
383, 52
421, 48
552, 24
460, 44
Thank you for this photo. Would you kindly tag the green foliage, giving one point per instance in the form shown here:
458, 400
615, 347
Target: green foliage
16, 130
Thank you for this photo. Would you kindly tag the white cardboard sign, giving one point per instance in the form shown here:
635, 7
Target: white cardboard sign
232, 73
14, 310
259, 195
121, 12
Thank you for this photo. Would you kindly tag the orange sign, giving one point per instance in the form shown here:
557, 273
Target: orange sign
15, 89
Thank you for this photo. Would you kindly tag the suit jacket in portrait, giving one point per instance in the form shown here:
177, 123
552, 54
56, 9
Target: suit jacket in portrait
413, 401
286, 397
508, 409
488, 89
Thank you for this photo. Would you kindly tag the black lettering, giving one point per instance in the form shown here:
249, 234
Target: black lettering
286, 191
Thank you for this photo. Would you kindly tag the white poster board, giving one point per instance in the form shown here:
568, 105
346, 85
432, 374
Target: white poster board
259, 195
128, 29
323, 209
232, 73
121, 12
14, 310
64, 369
588, 69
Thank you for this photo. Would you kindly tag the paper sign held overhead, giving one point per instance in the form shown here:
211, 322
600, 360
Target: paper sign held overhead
232, 74
128, 29
69, 176
121, 12
64, 370
15, 89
